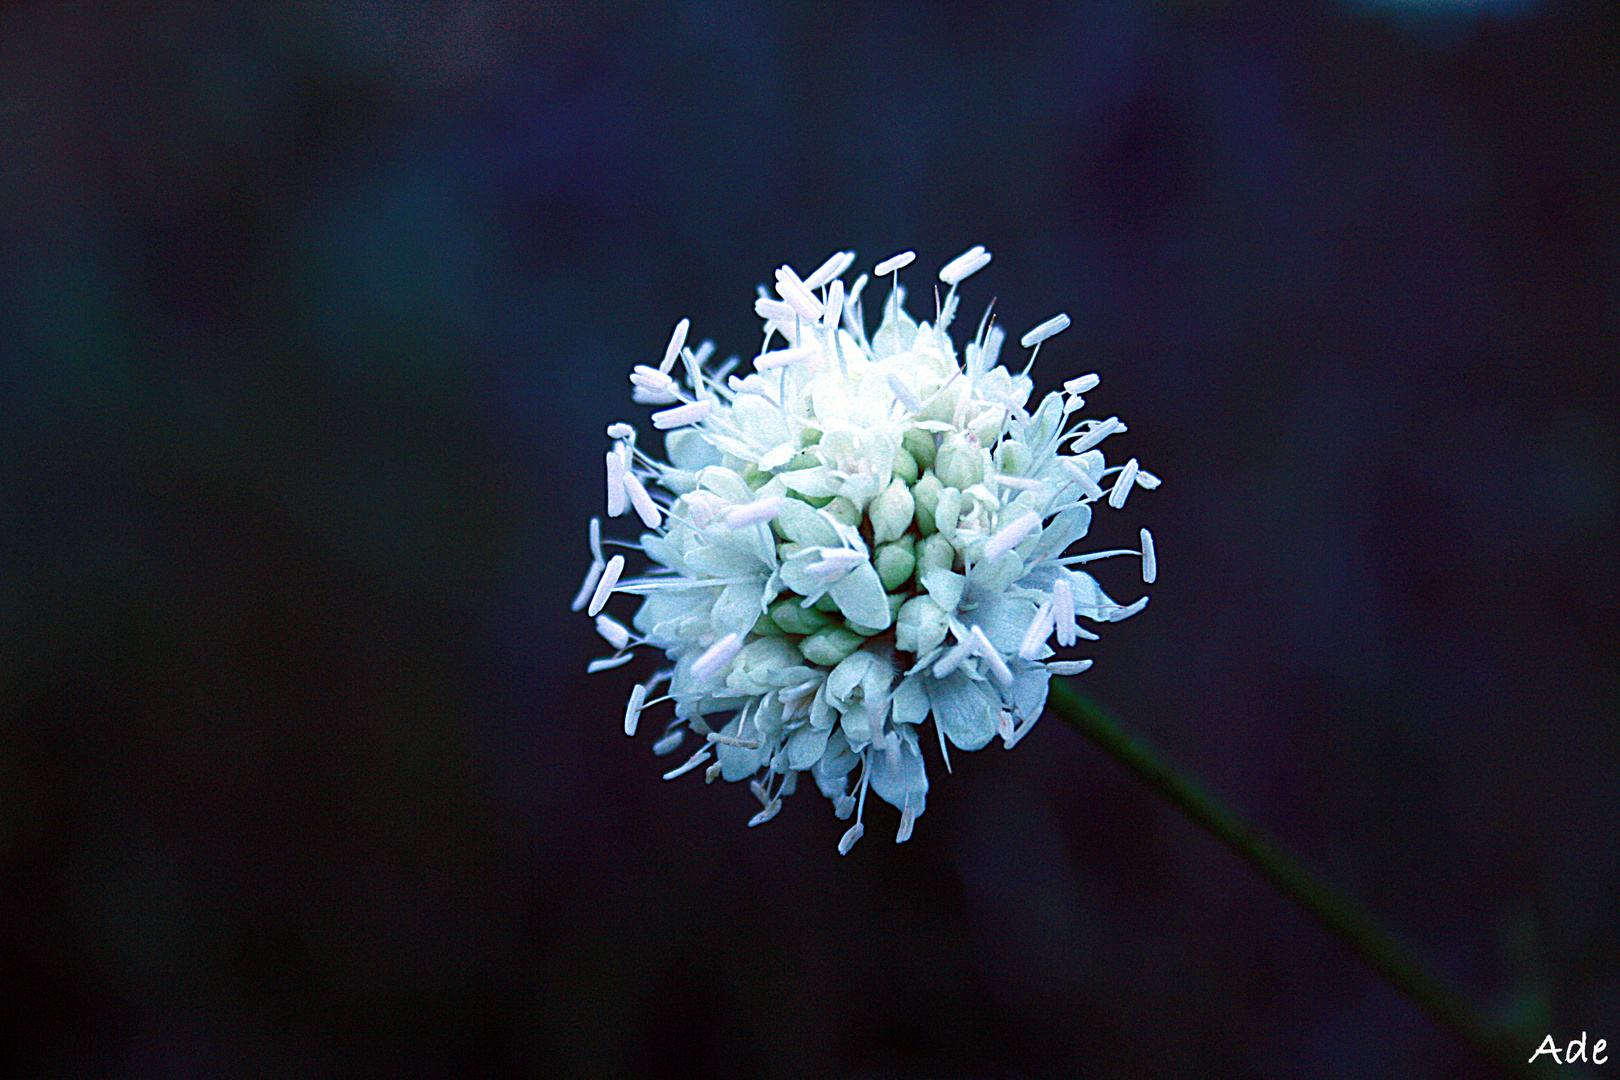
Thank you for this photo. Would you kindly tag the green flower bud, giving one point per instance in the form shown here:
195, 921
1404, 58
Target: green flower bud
920, 445
920, 626
894, 565
891, 511
830, 646
926, 493
842, 510
960, 462
934, 553
794, 619
905, 466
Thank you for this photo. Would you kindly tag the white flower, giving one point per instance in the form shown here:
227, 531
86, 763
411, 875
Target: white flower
861, 534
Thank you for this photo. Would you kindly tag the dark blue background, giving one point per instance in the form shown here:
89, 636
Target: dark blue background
314, 317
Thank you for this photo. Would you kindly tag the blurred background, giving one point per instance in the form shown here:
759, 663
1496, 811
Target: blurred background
314, 318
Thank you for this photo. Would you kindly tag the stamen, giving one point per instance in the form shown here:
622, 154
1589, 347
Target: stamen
903, 393
642, 501
893, 263
1040, 628
1084, 384
766, 814
998, 667
908, 818
617, 502
732, 740
592, 576
834, 564
716, 656
604, 588
621, 432
753, 513
969, 262
1019, 483
1081, 476
1145, 479
1055, 325
668, 743
653, 387
632, 709
1063, 611
782, 357
681, 415
1011, 535
615, 632
834, 267
1068, 667
1150, 559
1123, 484
855, 832
953, 659
774, 310
1098, 432
691, 763
835, 306
673, 349
608, 663
791, 289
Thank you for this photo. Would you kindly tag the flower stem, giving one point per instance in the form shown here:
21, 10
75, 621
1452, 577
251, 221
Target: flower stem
1341, 915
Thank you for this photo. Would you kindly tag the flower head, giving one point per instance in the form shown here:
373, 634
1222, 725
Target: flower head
860, 535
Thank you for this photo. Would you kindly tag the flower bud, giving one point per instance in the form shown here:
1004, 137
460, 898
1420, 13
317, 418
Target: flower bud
1012, 457
894, 565
920, 626
794, 619
934, 553
926, 493
960, 462
920, 445
891, 511
905, 466
830, 646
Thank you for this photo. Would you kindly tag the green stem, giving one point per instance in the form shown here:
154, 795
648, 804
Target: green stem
1351, 922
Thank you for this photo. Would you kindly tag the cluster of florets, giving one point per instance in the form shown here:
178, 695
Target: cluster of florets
858, 535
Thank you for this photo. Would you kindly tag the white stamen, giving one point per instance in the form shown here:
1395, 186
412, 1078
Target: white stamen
893, 263
774, 310
653, 387
673, 349
1068, 667
902, 392
604, 588
1040, 628
834, 267
608, 663
1063, 611
953, 659
1150, 559
908, 818
766, 814
1120, 613
592, 576
691, 763
843, 806
596, 539
682, 415
1082, 476
621, 431
642, 501
752, 513
1084, 384
716, 656
848, 840
1145, 479
791, 289
705, 350
1098, 432
1019, 483
782, 357
1123, 484
852, 304
1011, 535
732, 740
969, 262
998, 667
617, 500
1004, 728
632, 709
668, 743
835, 306
1055, 325
834, 564
613, 631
